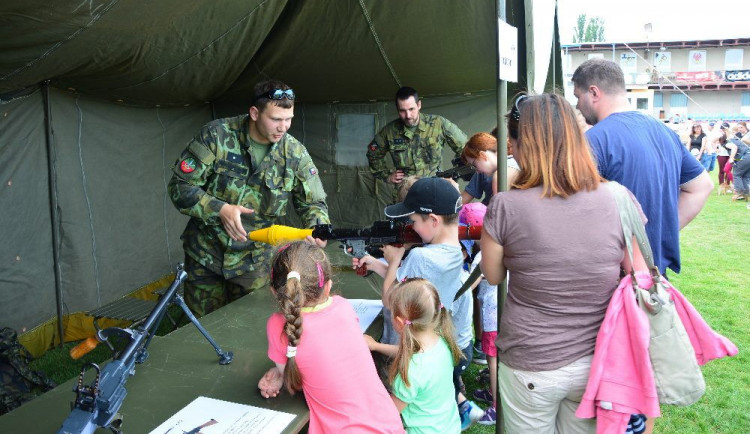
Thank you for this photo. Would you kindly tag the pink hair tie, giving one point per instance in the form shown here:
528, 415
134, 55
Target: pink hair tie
407, 322
321, 278
441, 306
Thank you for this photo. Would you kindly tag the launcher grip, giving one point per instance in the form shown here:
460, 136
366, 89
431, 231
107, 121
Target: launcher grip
84, 347
362, 270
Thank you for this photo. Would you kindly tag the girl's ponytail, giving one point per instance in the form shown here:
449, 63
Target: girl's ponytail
407, 346
417, 303
447, 331
298, 274
291, 306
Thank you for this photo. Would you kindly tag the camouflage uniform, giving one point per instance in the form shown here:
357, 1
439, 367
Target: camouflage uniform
18, 382
417, 151
217, 168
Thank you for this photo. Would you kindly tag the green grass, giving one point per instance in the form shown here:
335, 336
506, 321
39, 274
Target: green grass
715, 249
60, 367
715, 261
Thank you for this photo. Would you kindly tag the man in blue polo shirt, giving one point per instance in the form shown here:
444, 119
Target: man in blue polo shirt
642, 154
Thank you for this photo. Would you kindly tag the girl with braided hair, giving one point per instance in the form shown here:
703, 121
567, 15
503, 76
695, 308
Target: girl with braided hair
422, 371
317, 346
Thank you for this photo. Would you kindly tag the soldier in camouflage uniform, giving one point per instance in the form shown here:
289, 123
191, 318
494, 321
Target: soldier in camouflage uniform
415, 141
236, 176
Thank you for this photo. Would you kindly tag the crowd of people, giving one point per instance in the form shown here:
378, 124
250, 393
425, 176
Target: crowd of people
555, 235
721, 146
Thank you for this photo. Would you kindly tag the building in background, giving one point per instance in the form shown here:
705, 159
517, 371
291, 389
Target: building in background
701, 80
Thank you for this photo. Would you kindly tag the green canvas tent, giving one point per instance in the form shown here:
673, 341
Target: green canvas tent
98, 98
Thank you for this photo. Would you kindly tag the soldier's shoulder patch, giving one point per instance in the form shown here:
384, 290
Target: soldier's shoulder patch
187, 165
313, 171
373, 146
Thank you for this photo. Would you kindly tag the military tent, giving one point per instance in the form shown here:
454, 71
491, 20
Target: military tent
98, 98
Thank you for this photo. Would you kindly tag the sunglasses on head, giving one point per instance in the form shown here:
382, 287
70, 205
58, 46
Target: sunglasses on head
515, 112
278, 94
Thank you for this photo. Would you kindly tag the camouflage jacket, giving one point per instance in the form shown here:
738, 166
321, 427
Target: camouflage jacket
217, 168
417, 152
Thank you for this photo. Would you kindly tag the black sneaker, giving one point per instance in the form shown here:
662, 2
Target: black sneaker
479, 357
483, 377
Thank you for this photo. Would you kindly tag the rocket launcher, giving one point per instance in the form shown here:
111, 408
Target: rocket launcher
356, 242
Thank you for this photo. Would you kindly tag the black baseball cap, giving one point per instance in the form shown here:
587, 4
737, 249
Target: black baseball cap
428, 196
725, 126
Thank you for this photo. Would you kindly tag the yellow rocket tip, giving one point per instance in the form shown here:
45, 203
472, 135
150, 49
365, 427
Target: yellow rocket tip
259, 236
277, 234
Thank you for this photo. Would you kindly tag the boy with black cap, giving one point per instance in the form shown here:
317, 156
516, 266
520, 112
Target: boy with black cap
432, 205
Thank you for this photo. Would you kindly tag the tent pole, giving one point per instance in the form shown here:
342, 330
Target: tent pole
502, 181
53, 206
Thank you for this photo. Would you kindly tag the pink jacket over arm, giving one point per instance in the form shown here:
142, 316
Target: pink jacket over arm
621, 379
707, 344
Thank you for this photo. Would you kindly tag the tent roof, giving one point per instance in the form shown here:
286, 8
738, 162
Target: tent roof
182, 52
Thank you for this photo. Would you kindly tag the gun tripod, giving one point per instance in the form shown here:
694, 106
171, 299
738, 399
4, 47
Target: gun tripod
98, 403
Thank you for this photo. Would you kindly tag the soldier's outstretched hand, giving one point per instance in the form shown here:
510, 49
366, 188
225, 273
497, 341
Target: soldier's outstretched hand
230, 219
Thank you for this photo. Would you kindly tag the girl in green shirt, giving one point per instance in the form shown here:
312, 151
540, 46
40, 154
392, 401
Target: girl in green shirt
422, 370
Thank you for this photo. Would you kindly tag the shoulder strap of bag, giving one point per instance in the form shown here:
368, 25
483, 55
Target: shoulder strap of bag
633, 225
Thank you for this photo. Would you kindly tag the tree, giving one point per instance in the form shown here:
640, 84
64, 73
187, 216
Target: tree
588, 30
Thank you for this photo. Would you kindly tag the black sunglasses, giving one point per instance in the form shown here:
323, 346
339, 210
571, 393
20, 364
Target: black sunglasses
515, 111
278, 94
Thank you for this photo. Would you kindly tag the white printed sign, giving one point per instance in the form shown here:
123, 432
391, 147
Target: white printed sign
507, 45
213, 416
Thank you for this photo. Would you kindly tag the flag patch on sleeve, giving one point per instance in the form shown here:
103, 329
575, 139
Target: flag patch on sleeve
187, 165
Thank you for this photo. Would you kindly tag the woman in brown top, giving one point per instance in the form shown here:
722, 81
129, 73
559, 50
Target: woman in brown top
558, 234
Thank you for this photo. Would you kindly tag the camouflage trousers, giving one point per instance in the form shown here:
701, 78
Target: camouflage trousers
206, 291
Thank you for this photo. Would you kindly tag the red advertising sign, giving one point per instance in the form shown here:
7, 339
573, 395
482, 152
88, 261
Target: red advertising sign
699, 76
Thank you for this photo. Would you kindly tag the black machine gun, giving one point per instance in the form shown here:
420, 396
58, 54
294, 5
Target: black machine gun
459, 170
97, 404
356, 242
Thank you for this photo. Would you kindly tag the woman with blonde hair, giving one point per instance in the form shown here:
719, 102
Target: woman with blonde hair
558, 234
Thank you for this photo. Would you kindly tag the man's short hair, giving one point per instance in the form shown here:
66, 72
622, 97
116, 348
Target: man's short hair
604, 74
428, 196
405, 92
406, 184
262, 91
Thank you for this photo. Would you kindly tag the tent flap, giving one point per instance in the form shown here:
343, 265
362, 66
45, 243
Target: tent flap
132, 82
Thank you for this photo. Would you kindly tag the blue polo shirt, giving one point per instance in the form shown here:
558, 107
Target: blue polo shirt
648, 158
